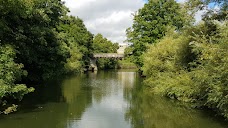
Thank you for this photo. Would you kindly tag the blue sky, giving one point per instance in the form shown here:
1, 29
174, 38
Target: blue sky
181, 1
145, 1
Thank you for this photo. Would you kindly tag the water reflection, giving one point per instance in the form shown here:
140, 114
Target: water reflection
78, 96
108, 105
106, 99
41, 110
147, 111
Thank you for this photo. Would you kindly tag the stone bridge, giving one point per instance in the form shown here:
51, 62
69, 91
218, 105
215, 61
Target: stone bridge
108, 55
93, 65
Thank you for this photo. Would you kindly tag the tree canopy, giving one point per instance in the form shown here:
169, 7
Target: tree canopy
151, 23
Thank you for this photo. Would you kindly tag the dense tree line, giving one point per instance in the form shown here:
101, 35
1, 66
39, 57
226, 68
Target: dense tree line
39, 41
182, 59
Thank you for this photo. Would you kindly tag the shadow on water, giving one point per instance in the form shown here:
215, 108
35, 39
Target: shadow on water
51, 105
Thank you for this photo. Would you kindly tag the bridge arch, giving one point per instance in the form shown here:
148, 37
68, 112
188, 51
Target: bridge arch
93, 65
108, 55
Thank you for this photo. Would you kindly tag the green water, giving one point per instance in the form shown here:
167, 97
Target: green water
106, 99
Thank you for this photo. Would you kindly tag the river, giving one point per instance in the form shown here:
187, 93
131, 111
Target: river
105, 99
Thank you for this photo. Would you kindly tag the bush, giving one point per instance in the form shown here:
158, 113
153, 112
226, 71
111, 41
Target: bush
10, 74
191, 68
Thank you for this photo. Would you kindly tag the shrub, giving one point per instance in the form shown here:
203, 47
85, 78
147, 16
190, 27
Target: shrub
191, 68
10, 74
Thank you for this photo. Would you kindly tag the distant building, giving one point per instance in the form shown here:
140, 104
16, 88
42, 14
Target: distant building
122, 47
125, 44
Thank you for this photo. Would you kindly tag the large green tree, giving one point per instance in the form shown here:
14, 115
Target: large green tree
151, 23
103, 45
29, 26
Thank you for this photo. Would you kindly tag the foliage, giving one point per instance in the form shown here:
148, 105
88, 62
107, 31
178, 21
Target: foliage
191, 68
181, 59
106, 63
10, 73
151, 23
29, 27
38, 41
78, 42
126, 63
103, 45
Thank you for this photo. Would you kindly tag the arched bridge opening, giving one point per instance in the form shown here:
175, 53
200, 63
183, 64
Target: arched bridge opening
93, 65
108, 55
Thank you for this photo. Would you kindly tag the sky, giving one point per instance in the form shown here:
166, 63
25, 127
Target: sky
109, 17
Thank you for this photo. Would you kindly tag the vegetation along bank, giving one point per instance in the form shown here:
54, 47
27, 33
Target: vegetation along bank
39, 41
181, 58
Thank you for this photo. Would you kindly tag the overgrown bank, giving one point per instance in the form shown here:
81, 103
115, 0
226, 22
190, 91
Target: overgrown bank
191, 68
188, 62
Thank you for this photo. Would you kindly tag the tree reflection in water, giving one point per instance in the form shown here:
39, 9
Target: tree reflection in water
153, 111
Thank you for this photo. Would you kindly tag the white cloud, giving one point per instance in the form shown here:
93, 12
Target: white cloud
198, 15
109, 17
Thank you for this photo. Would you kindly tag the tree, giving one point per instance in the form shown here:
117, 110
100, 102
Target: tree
78, 41
29, 26
103, 45
151, 22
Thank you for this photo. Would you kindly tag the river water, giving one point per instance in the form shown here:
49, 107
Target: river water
106, 99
